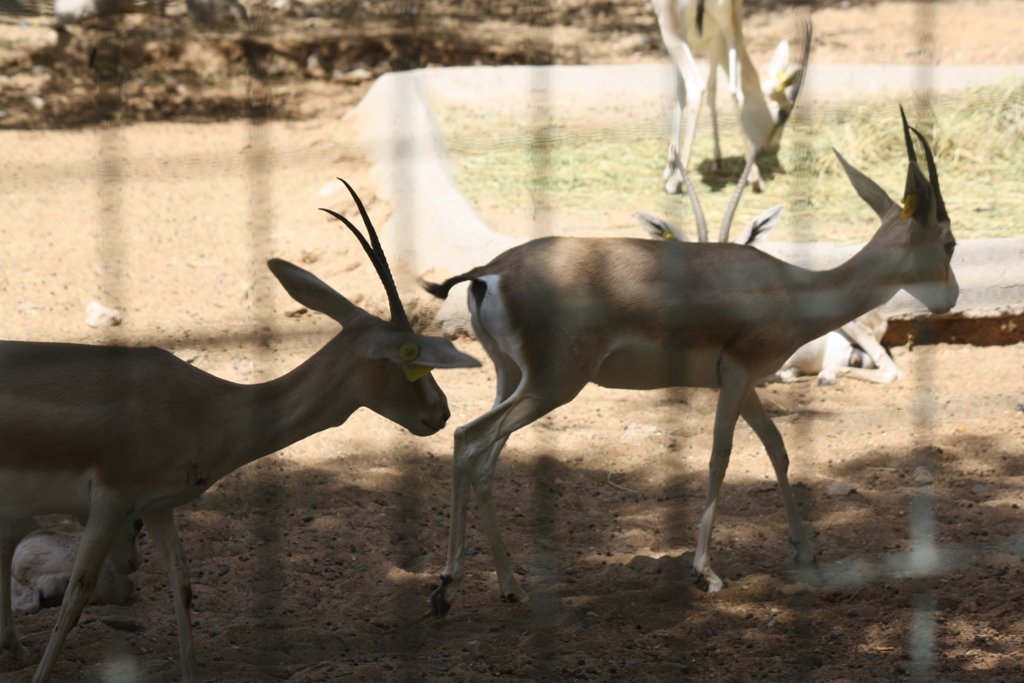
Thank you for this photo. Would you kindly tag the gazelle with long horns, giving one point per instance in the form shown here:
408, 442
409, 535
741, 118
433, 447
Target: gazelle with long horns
764, 107
118, 433
854, 350
557, 313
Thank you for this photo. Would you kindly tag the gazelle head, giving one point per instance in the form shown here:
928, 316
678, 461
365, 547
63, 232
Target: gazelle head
394, 373
919, 228
781, 87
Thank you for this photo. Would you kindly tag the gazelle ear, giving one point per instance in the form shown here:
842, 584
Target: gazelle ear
659, 228
918, 198
419, 354
762, 224
868, 190
312, 292
778, 63
420, 350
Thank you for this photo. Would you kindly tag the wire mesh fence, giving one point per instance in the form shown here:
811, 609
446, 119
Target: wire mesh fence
382, 634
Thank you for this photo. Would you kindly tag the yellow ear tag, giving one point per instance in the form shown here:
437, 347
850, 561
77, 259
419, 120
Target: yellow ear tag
409, 351
414, 373
783, 80
667, 235
909, 206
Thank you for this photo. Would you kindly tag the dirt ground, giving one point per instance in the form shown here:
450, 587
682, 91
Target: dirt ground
315, 564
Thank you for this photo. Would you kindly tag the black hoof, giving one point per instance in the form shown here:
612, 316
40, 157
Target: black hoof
438, 605
509, 598
823, 382
700, 583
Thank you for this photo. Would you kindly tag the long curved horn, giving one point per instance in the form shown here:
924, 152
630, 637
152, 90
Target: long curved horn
933, 175
723, 236
906, 134
804, 58
377, 258
698, 212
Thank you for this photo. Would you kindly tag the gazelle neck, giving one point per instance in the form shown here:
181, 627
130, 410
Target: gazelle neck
867, 280
260, 419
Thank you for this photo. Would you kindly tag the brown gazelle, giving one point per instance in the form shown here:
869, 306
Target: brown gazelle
854, 350
763, 107
118, 433
557, 313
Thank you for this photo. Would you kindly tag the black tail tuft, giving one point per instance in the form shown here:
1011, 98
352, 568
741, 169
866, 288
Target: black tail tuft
440, 290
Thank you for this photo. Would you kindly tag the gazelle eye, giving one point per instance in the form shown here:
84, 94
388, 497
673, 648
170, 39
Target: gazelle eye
950, 246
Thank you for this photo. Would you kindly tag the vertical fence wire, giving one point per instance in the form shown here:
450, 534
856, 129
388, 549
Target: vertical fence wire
274, 496
544, 572
922, 636
803, 432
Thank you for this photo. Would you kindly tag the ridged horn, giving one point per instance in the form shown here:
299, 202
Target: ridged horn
698, 212
906, 134
723, 235
804, 58
933, 175
377, 258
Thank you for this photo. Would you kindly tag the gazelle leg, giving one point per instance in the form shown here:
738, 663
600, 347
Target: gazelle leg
165, 537
717, 52
689, 90
716, 158
768, 433
677, 129
477, 447
106, 516
735, 386
482, 475
11, 531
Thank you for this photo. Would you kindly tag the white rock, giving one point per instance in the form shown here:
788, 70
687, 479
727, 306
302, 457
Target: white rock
840, 488
640, 431
98, 315
353, 76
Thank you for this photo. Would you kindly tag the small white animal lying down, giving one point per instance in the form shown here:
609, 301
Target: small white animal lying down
854, 350
849, 351
41, 568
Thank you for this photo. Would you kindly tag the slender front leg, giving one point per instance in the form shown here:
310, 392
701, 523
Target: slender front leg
689, 91
107, 514
768, 433
716, 159
735, 385
11, 531
887, 371
165, 537
454, 569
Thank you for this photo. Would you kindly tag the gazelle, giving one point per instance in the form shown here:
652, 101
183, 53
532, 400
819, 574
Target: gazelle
854, 350
763, 107
120, 433
557, 313
43, 561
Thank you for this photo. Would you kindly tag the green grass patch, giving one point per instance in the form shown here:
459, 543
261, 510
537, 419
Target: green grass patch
609, 161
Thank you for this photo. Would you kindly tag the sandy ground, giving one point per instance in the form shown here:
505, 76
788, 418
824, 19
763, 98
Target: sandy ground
315, 564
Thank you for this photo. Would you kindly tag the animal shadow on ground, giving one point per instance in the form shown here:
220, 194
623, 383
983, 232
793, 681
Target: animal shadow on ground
319, 572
